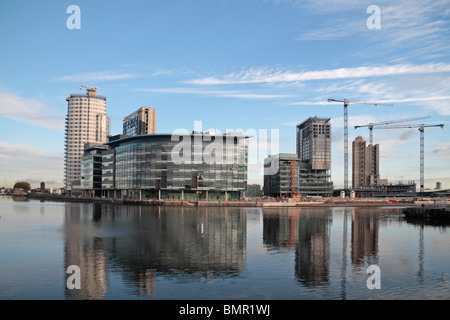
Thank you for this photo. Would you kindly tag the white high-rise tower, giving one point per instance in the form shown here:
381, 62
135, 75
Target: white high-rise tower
86, 122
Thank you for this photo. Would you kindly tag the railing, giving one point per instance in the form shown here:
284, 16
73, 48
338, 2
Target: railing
81, 95
435, 203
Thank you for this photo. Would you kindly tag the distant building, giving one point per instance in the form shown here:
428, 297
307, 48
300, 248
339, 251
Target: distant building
19, 192
142, 121
438, 186
385, 191
253, 190
42, 187
86, 122
365, 164
200, 166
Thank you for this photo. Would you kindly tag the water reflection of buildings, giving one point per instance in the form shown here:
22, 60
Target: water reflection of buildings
86, 248
307, 233
364, 241
312, 259
145, 242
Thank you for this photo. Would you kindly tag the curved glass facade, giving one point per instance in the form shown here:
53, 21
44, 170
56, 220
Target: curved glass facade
194, 166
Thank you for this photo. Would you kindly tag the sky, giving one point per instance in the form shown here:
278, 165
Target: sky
260, 66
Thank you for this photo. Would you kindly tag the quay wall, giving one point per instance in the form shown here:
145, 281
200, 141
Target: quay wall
249, 203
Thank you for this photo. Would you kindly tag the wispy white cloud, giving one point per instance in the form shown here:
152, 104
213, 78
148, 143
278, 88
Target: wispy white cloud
401, 21
30, 111
444, 108
417, 28
419, 99
427, 91
96, 76
340, 28
216, 93
272, 76
322, 6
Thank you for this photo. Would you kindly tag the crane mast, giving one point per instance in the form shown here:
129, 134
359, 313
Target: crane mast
346, 103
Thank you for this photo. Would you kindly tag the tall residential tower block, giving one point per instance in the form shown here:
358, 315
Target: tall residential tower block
86, 123
365, 164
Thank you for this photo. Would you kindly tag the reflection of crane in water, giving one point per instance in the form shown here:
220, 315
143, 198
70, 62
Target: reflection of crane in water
421, 254
344, 258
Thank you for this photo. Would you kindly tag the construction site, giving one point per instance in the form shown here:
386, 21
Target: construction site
306, 174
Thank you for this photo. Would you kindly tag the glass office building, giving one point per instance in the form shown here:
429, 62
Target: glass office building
91, 170
308, 171
197, 166
278, 181
277, 174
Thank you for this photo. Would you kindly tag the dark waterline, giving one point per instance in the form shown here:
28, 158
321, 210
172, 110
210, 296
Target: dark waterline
138, 252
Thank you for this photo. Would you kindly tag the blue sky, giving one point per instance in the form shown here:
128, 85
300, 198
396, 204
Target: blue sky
249, 64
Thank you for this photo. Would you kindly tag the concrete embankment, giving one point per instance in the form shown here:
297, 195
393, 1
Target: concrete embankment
60, 198
258, 203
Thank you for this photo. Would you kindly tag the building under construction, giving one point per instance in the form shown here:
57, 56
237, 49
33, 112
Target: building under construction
306, 173
366, 179
285, 175
386, 191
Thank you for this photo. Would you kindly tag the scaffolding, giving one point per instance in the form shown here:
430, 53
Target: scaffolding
295, 196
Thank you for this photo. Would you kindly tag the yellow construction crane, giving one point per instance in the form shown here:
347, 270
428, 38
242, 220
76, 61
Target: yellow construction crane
421, 128
371, 125
346, 104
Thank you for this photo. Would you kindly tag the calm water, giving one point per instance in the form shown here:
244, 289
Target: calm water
131, 252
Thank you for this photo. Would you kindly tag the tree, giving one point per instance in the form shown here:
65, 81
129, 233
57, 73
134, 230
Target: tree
22, 185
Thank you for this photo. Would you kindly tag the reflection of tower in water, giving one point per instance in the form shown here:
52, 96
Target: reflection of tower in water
306, 232
85, 247
312, 257
364, 239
